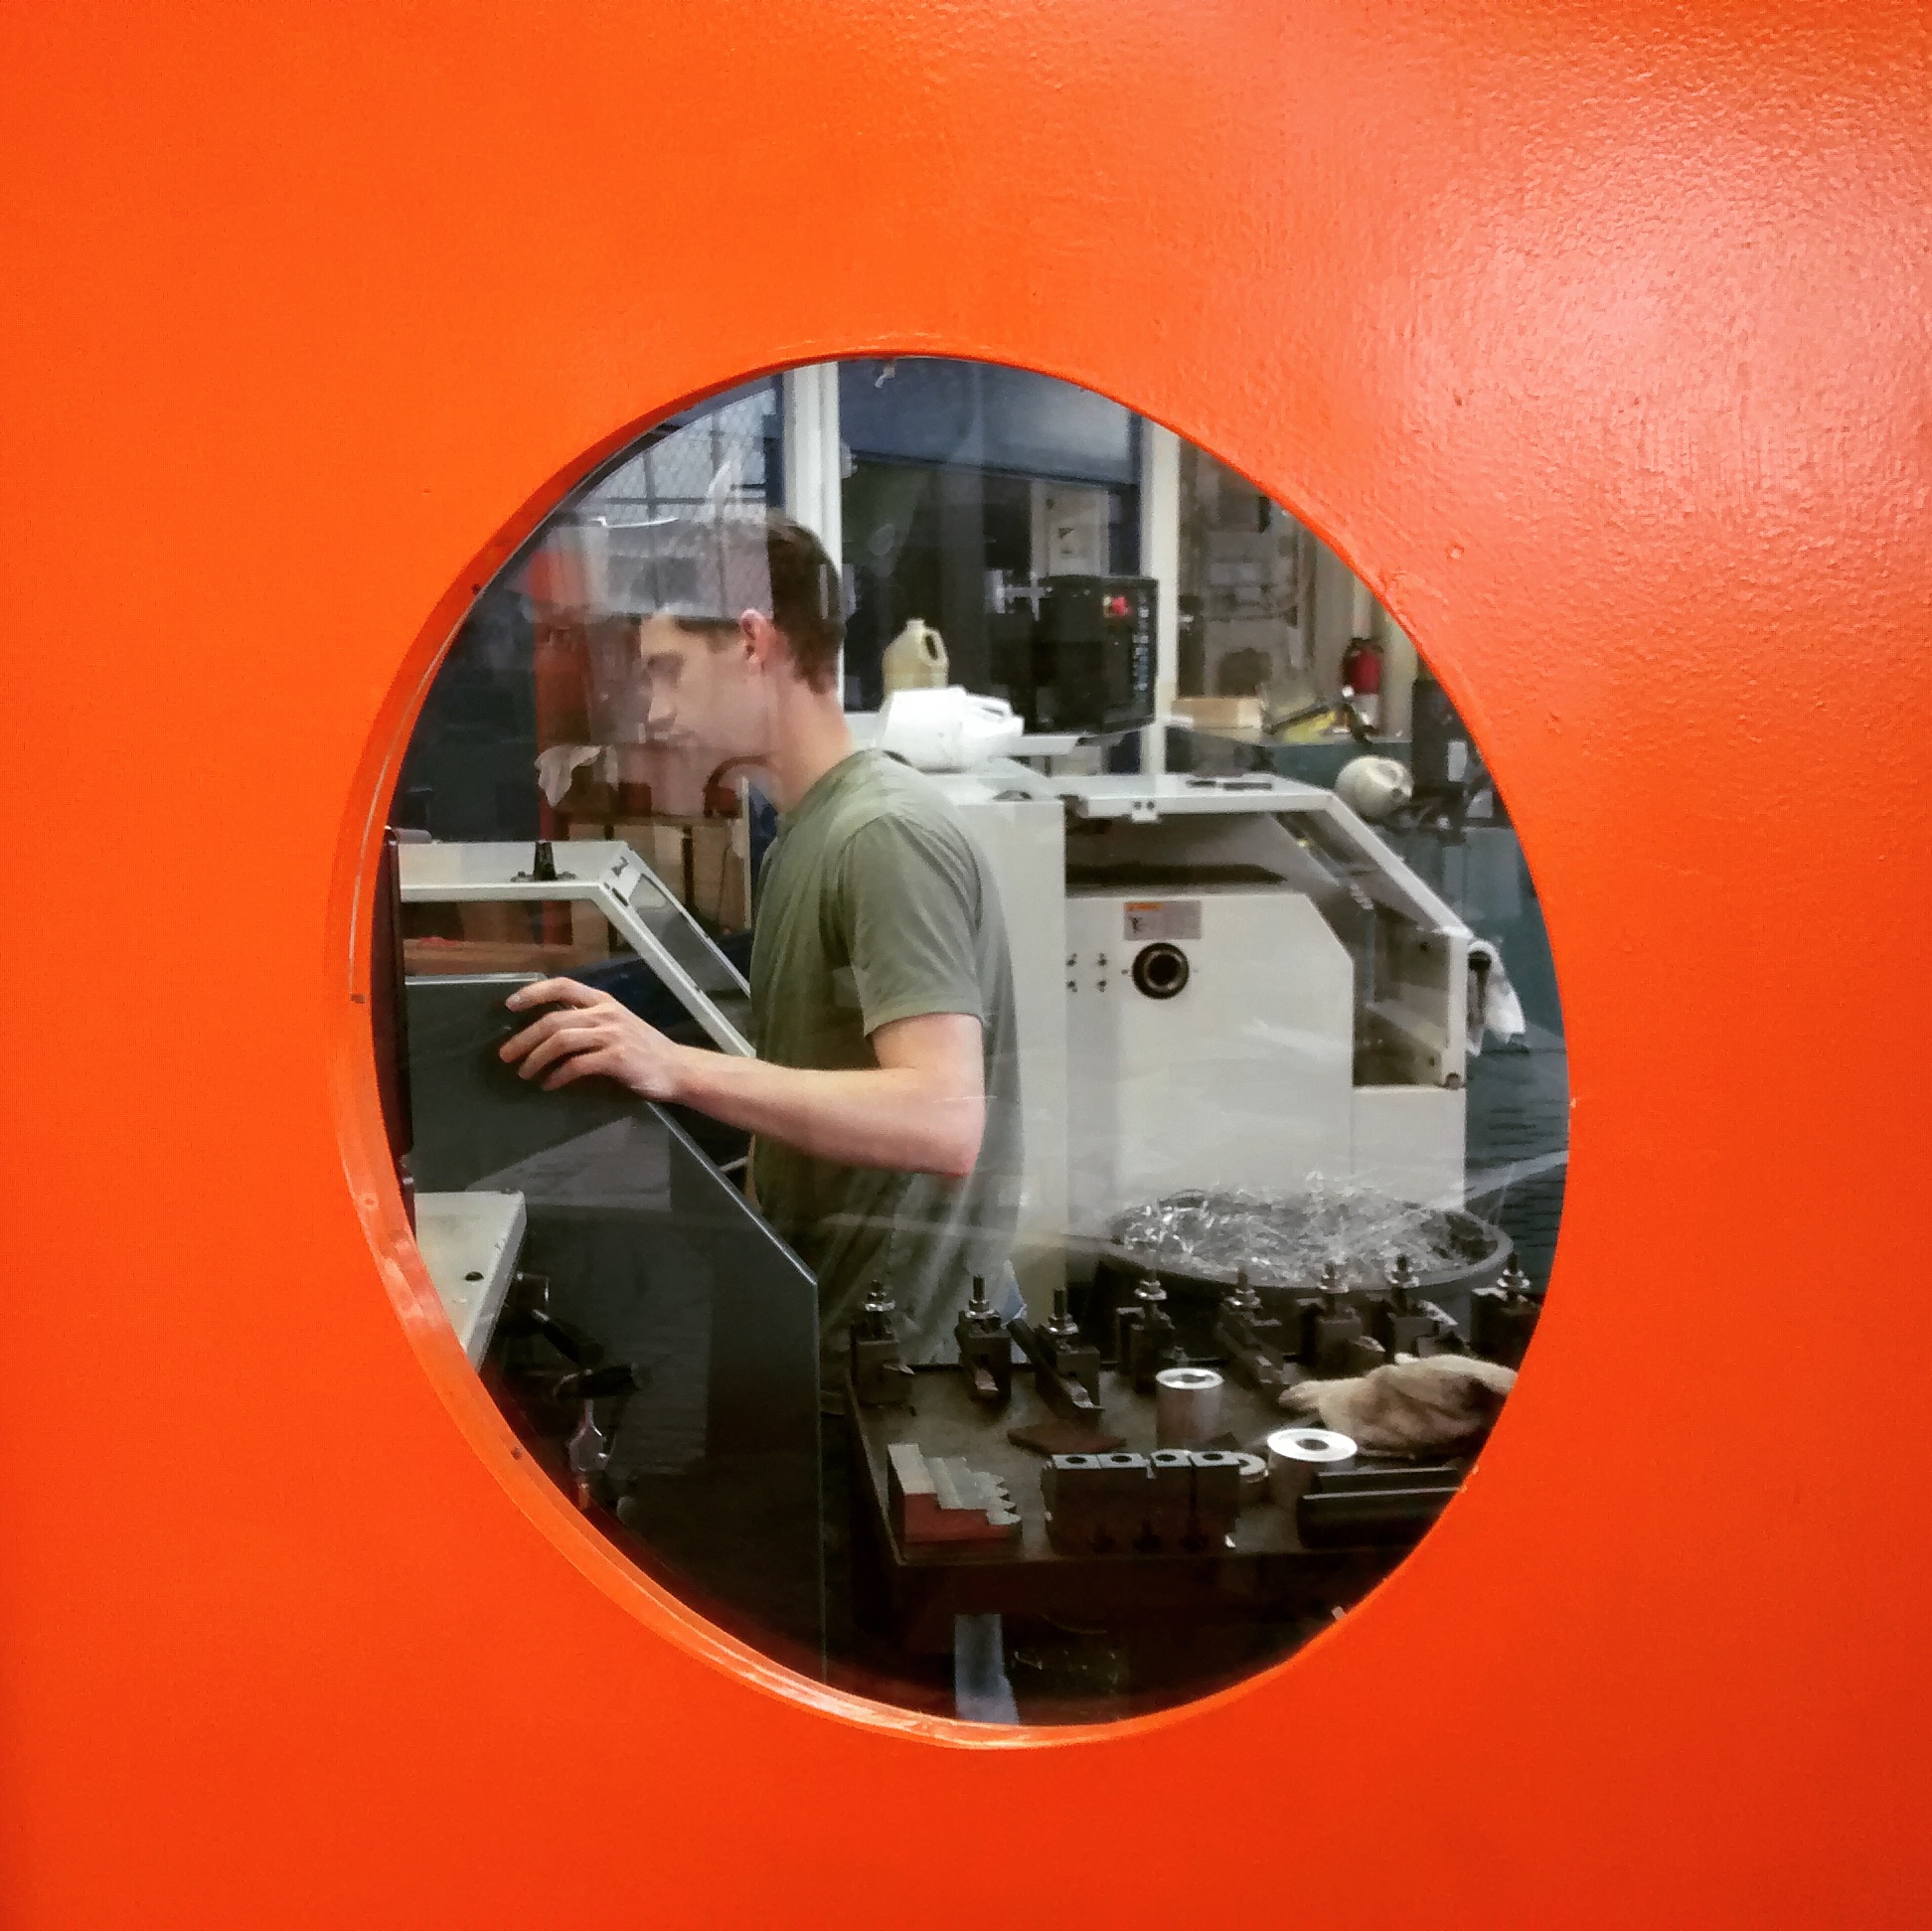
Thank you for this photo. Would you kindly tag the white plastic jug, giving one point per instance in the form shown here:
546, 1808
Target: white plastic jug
916, 660
1375, 788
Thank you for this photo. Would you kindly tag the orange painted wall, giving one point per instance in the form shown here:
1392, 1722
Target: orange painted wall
1595, 337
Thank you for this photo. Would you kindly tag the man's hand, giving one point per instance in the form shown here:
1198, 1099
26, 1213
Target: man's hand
592, 1034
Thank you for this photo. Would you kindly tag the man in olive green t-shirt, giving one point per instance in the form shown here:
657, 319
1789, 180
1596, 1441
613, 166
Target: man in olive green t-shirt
875, 909
885, 1096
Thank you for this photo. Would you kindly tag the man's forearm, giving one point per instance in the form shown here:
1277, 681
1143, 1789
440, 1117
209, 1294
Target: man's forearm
882, 1116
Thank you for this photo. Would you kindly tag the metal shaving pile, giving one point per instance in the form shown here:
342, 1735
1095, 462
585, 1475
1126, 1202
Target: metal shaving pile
1283, 1243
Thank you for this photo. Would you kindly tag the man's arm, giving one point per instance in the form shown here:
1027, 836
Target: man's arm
921, 1109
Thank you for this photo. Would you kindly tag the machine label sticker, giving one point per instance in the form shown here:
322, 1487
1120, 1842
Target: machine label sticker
1162, 919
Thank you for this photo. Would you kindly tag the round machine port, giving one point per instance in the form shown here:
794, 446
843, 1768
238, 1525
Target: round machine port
1161, 970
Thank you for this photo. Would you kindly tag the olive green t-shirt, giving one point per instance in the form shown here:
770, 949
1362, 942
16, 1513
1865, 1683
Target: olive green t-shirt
875, 904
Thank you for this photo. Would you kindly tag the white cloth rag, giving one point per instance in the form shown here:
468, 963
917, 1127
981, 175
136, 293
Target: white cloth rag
557, 766
1501, 1010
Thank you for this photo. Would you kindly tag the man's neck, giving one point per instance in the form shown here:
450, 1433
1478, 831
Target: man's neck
813, 738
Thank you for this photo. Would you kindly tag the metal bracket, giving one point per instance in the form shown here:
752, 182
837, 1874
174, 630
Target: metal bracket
621, 887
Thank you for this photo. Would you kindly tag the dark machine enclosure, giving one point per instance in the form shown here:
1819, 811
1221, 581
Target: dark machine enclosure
657, 1259
1085, 662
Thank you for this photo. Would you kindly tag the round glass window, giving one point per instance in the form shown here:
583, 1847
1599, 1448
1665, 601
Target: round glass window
974, 1050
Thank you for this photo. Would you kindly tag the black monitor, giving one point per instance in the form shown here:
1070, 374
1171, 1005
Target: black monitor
1085, 661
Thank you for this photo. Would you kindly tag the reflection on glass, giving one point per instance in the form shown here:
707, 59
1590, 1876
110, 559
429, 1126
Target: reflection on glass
1050, 1106
963, 479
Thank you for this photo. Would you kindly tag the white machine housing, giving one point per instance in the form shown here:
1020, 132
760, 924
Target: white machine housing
1320, 1034
1242, 1078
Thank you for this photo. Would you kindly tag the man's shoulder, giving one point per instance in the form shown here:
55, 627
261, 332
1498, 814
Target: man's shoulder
885, 795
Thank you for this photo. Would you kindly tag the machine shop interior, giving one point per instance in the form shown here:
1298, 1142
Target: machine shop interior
1293, 1088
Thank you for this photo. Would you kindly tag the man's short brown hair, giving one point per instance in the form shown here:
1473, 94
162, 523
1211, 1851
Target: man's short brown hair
807, 596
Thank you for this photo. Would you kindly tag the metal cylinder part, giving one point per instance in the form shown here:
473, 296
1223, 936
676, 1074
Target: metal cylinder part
1186, 1406
1294, 1454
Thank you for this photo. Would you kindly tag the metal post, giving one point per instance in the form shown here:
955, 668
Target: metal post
1160, 558
814, 470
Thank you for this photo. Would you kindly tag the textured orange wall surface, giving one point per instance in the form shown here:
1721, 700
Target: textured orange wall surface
1594, 337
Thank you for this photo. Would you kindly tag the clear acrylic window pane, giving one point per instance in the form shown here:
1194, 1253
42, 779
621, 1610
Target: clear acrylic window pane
1283, 1060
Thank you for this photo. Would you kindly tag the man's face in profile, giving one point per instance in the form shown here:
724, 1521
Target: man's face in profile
708, 691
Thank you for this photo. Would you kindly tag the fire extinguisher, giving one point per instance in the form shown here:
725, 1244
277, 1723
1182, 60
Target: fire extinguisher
1361, 674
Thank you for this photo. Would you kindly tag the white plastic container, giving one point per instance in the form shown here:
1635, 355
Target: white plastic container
916, 660
1375, 788
946, 730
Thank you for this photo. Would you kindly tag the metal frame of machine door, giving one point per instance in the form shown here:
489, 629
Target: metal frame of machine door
603, 872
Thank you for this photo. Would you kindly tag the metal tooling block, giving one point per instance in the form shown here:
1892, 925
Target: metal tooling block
882, 1379
1106, 1504
1216, 1492
1404, 1328
1144, 1340
1333, 1341
1296, 1312
1501, 1320
1348, 1507
1170, 1515
1253, 1342
1144, 1344
1096, 1502
1406, 1324
985, 1350
1067, 1373
944, 1499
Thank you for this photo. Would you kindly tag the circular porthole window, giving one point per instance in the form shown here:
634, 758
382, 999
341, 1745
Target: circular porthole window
971, 1040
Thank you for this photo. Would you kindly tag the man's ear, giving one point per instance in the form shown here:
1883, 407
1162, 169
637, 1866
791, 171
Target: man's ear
763, 642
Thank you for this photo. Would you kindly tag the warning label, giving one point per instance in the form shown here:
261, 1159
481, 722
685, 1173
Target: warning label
1162, 919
